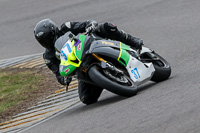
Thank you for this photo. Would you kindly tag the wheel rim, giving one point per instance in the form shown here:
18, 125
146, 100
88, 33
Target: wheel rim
120, 78
156, 60
159, 61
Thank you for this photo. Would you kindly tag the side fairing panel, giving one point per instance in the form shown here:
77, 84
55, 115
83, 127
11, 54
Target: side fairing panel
113, 49
104, 43
82, 46
79, 47
108, 51
138, 71
106, 47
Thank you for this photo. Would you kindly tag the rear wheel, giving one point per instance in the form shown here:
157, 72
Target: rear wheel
162, 67
117, 83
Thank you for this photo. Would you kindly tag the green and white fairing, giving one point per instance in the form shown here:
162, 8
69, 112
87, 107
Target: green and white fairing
71, 57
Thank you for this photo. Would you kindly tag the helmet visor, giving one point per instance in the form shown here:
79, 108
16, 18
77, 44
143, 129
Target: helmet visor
47, 41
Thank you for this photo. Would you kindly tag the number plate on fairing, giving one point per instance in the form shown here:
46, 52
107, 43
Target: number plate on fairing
138, 71
66, 50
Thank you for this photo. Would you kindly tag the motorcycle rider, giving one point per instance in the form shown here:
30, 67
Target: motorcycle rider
46, 33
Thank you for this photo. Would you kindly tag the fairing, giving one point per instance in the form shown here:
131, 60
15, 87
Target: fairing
137, 70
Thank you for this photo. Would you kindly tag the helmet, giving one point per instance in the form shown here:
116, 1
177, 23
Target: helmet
45, 33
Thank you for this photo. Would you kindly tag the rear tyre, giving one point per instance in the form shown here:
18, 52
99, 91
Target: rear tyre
100, 79
162, 69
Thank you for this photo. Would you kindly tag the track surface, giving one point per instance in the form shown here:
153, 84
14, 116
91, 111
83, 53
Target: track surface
170, 27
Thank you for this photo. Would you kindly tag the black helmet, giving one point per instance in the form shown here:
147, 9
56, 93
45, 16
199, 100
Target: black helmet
46, 33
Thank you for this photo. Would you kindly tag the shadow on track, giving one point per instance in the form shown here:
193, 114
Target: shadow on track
103, 102
150, 84
146, 86
107, 100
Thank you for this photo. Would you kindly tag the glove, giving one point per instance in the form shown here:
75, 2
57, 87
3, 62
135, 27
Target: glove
64, 80
138, 43
91, 27
135, 43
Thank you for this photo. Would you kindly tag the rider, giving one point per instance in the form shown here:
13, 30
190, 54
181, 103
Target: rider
46, 33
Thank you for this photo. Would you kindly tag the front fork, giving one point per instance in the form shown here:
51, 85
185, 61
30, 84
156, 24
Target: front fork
104, 63
98, 58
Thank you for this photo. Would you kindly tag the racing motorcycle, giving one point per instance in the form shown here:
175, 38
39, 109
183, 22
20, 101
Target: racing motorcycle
110, 64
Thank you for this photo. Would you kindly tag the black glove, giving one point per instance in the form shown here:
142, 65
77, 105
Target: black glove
91, 27
64, 80
135, 43
138, 43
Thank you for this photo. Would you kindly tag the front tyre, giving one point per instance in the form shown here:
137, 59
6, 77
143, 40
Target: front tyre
101, 80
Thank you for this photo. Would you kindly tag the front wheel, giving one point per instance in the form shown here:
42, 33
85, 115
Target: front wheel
125, 88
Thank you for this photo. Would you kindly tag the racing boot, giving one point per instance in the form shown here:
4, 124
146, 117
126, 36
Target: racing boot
133, 42
109, 30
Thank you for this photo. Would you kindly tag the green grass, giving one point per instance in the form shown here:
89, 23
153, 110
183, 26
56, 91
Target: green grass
15, 87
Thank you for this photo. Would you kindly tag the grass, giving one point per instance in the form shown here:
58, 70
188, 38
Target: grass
15, 87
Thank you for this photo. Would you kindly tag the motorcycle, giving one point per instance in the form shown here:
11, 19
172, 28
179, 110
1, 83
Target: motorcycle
110, 64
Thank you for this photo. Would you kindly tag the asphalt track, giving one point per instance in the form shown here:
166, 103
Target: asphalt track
170, 27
